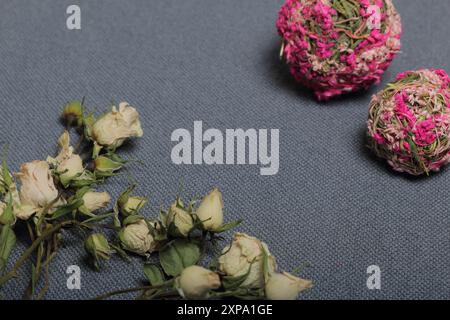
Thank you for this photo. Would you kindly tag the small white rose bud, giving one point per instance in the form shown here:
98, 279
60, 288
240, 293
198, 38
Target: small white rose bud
97, 245
113, 128
96, 200
246, 255
195, 282
285, 286
136, 237
210, 210
73, 112
132, 205
38, 188
68, 164
181, 219
107, 165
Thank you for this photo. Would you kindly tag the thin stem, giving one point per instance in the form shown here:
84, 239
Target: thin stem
46, 233
122, 291
142, 288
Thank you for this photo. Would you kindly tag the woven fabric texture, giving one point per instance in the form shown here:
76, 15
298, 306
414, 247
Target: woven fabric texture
331, 204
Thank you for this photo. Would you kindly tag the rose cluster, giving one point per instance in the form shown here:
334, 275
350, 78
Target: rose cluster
409, 122
50, 195
338, 46
60, 193
244, 269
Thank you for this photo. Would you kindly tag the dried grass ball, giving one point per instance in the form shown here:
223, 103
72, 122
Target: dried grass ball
409, 122
338, 46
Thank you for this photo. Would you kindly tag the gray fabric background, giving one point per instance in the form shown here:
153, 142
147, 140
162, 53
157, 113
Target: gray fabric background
332, 204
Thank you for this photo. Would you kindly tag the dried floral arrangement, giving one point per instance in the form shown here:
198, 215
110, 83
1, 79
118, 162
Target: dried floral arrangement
334, 46
59, 195
409, 122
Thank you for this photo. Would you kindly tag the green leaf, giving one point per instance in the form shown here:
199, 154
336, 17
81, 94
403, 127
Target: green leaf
8, 216
99, 217
228, 226
232, 283
178, 255
66, 209
124, 196
132, 220
154, 274
7, 243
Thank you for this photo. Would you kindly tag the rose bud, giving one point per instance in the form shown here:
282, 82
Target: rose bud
132, 205
210, 211
113, 128
38, 189
195, 282
136, 237
98, 247
73, 111
246, 256
180, 219
104, 164
285, 286
68, 164
94, 201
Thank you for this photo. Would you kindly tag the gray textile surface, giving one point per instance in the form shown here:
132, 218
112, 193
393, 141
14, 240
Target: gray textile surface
332, 204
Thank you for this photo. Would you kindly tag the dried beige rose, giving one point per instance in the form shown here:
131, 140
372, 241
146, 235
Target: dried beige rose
210, 210
136, 237
68, 164
195, 282
246, 255
285, 286
113, 128
181, 219
96, 200
37, 191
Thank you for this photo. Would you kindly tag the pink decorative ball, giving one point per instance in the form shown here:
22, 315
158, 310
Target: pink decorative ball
338, 46
409, 122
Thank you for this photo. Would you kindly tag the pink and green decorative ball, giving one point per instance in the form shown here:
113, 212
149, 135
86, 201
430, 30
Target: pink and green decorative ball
409, 122
338, 46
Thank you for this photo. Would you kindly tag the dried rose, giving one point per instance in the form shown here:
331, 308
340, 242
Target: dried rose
113, 128
73, 111
130, 205
180, 219
136, 237
95, 200
37, 191
285, 286
244, 256
68, 164
210, 211
97, 245
195, 282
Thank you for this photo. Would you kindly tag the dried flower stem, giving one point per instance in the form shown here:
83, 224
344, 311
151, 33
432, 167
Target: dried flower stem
45, 234
142, 288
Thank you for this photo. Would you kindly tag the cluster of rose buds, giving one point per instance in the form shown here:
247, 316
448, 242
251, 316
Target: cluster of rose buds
244, 269
52, 194
336, 47
409, 122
